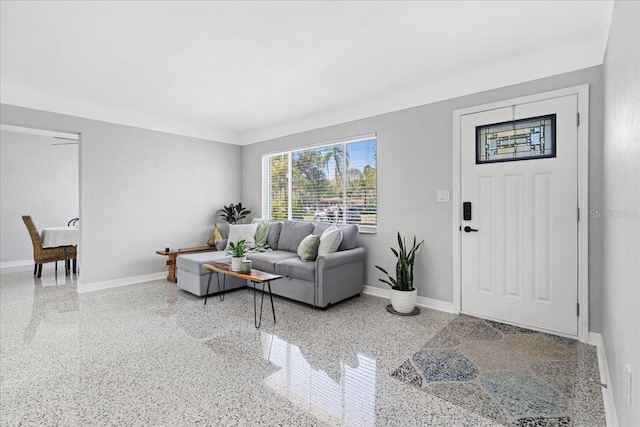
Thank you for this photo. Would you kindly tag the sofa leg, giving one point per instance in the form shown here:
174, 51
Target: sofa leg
35, 269
39, 271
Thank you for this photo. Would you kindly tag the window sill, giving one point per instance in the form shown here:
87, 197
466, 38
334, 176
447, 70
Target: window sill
368, 229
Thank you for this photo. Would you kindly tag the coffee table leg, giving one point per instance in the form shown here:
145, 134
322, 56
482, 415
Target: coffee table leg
258, 320
271, 298
255, 309
224, 285
208, 285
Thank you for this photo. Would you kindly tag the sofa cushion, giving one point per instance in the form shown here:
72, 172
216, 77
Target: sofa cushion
274, 234
349, 233
297, 268
221, 245
266, 261
349, 237
308, 248
292, 234
193, 262
321, 227
330, 240
223, 228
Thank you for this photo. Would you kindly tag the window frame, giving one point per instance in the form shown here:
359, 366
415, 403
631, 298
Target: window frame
267, 178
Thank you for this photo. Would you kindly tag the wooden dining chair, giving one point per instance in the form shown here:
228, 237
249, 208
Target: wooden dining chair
42, 255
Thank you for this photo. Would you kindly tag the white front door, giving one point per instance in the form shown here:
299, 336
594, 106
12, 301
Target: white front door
521, 265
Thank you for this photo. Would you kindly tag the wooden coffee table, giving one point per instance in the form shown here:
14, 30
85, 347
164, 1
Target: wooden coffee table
256, 276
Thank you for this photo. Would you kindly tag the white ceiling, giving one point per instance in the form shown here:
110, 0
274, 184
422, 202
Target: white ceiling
241, 72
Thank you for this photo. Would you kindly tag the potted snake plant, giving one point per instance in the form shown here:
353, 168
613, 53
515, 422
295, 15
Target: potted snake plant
237, 251
403, 294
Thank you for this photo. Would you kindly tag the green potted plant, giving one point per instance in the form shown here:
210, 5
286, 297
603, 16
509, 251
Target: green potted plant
233, 213
403, 295
237, 252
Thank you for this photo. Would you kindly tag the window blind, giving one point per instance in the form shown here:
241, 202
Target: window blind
335, 182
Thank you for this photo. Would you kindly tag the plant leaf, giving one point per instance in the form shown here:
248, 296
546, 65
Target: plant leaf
385, 281
381, 269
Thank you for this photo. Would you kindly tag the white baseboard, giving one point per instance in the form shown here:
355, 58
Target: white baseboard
436, 304
607, 394
422, 301
11, 266
98, 286
376, 292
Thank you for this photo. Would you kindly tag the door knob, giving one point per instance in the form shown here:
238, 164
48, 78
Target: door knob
468, 229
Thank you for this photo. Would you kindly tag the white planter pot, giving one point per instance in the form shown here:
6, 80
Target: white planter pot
404, 301
236, 263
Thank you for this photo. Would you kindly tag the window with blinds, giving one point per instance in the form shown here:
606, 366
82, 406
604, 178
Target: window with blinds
335, 182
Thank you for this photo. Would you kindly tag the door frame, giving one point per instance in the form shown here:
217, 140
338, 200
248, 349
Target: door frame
582, 92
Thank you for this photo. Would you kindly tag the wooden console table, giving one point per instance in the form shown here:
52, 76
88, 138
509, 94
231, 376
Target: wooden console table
171, 262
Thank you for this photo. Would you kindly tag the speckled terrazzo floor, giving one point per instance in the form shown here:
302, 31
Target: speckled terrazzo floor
149, 354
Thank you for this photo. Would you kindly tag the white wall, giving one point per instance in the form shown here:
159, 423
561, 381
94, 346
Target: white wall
621, 190
139, 190
37, 179
415, 159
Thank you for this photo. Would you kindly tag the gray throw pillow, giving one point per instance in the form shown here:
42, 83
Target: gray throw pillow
308, 248
349, 237
274, 235
292, 234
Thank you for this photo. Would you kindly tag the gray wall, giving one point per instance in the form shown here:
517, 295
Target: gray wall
621, 183
37, 179
139, 190
415, 159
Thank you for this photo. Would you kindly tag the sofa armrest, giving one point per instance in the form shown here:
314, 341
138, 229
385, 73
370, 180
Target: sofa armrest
221, 244
339, 275
335, 259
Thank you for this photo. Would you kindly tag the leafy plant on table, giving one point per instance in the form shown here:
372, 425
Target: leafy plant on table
233, 213
238, 250
404, 267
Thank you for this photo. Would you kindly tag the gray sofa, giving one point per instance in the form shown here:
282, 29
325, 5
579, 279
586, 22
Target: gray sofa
331, 278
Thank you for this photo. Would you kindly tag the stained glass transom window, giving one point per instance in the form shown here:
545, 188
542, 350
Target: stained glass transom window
524, 139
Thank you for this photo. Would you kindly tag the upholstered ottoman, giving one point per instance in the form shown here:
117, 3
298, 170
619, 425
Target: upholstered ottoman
193, 278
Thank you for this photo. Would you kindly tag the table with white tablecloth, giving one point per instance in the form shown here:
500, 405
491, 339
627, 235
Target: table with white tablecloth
60, 236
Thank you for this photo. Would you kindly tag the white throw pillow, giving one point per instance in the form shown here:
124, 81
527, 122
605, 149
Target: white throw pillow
330, 240
246, 232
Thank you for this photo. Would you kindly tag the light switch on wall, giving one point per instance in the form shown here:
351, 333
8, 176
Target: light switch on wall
443, 196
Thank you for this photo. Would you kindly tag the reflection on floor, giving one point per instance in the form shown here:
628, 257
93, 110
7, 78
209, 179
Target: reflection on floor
152, 355
350, 400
